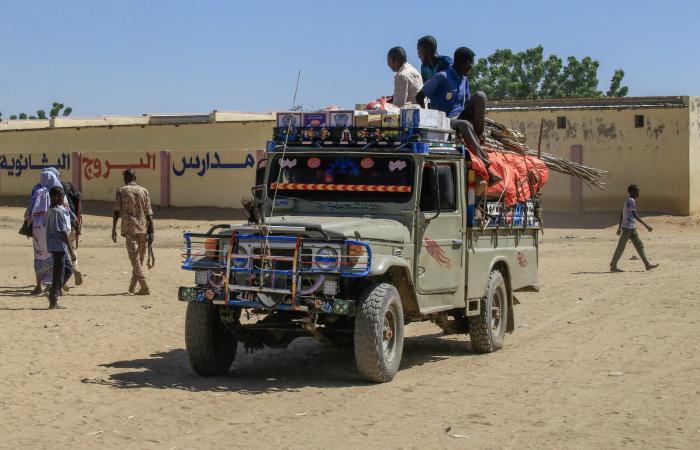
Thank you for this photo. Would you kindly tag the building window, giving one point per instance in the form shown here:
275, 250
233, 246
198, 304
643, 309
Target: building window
561, 122
639, 121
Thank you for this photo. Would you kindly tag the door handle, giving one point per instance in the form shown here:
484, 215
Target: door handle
457, 243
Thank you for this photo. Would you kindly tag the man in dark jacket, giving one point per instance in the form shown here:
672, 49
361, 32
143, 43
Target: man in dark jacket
73, 197
431, 61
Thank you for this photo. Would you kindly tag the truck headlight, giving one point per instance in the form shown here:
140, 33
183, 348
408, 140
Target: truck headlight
326, 258
355, 252
211, 248
239, 263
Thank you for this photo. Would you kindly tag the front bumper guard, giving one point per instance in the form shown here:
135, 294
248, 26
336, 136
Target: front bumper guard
244, 299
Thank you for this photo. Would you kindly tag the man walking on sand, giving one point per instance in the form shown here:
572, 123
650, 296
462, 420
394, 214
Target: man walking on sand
627, 231
133, 205
57, 243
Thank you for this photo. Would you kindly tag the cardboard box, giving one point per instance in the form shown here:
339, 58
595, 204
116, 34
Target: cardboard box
368, 120
391, 121
315, 119
285, 119
342, 119
446, 123
422, 118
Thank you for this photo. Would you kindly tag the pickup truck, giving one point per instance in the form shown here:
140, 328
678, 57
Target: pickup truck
349, 244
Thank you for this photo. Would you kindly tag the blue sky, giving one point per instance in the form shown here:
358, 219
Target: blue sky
134, 57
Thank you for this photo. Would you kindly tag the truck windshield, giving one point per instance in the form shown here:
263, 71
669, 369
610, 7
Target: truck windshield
375, 178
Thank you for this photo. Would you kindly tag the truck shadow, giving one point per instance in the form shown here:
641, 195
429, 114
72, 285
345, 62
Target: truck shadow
305, 363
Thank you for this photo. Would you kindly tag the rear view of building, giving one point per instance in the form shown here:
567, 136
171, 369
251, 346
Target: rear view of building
651, 141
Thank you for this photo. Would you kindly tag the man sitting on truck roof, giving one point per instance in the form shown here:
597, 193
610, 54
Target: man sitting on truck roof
432, 62
448, 91
407, 80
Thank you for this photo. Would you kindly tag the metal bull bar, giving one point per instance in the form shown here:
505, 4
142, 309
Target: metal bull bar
255, 271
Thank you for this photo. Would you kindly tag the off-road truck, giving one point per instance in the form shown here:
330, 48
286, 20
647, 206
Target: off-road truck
348, 244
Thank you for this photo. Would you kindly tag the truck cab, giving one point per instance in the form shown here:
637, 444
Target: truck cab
348, 244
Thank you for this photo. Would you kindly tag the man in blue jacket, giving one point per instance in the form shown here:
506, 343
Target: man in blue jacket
448, 91
431, 61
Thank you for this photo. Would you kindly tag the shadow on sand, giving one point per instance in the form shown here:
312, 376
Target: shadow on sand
585, 221
106, 209
606, 272
17, 291
305, 363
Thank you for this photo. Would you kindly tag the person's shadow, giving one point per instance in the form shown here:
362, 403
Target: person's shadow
16, 291
304, 363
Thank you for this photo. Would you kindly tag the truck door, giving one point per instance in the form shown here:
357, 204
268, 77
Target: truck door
439, 246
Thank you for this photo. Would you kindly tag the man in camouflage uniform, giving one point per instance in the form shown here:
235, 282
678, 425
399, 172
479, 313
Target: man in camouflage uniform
133, 205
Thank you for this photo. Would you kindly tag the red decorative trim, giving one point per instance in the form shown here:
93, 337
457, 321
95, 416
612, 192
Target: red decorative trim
339, 187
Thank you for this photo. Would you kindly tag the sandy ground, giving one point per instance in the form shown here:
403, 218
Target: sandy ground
598, 360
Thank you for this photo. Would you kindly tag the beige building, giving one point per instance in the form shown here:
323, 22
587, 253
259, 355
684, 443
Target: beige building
650, 141
208, 160
184, 160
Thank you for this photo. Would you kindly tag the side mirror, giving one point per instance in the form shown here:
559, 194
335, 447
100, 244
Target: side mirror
260, 171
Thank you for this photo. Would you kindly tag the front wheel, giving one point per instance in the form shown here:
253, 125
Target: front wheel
378, 337
210, 348
487, 330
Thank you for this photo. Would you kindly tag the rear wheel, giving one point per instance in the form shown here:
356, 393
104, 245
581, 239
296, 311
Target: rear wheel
487, 330
378, 334
210, 348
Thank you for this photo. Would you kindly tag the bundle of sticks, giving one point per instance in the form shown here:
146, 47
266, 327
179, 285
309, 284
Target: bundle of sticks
498, 137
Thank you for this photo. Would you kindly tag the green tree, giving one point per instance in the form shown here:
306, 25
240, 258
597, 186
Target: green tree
505, 75
616, 88
56, 109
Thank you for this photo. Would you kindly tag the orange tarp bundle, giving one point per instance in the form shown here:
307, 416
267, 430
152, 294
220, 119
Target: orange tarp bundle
522, 175
506, 187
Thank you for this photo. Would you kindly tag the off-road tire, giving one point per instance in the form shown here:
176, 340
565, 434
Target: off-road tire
484, 336
379, 311
210, 348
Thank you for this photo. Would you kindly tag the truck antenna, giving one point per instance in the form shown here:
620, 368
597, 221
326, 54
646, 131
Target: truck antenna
284, 150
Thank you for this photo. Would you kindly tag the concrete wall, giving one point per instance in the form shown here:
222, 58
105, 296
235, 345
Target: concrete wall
101, 173
654, 156
211, 178
663, 156
197, 164
196, 136
20, 171
694, 153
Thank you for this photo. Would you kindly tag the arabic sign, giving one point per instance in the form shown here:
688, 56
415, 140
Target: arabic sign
16, 165
94, 168
206, 162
